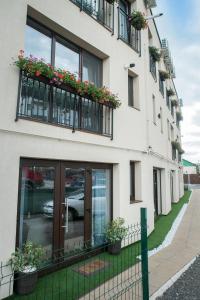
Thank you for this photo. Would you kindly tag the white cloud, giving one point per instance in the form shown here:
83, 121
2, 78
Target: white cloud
185, 48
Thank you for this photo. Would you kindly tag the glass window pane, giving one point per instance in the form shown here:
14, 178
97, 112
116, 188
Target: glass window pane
37, 44
67, 59
37, 206
92, 69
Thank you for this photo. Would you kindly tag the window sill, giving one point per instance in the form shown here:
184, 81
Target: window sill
134, 108
135, 201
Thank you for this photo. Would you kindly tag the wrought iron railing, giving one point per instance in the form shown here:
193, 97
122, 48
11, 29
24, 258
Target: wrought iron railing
94, 274
41, 101
152, 66
101, 10
127, 33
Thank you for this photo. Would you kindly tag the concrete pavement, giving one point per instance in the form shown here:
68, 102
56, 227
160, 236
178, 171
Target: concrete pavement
184, 247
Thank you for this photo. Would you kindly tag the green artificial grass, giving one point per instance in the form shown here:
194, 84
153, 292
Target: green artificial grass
164, 223
69, 284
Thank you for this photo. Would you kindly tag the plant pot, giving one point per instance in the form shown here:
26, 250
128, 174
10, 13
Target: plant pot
25, 283
110, 1
114, 248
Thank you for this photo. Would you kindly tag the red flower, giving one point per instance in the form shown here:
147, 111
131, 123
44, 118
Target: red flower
61, 76
37, 73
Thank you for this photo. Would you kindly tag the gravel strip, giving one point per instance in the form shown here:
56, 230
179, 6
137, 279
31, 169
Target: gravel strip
187, 287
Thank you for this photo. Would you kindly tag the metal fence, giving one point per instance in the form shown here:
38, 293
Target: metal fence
89, 273
100, 10
40, 101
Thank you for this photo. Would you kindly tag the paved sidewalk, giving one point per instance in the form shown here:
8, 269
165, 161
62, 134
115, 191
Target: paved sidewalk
185, 246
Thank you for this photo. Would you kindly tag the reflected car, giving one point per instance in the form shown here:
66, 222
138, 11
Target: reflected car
75, 203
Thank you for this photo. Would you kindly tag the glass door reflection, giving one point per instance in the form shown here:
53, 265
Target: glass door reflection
73, 208
37, 206
101, 199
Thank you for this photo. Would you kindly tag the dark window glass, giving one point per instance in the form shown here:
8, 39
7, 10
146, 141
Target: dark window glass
132, 181
130, 91
161, 85
92, 69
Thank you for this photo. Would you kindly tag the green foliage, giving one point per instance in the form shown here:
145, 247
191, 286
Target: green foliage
170, 92
164, 223
164, 75
174, 102
34, 67
138, 20
29, 257
178, 147
155, 53
116, 230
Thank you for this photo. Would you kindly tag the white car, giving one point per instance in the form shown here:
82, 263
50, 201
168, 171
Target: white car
75, 203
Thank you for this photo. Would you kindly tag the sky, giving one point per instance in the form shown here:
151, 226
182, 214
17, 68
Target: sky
180, 25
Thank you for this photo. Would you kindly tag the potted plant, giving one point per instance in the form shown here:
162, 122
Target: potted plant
155, 53
174, 102
138, 20
115, 232
25, 263
164, 75
170, 92
111, 1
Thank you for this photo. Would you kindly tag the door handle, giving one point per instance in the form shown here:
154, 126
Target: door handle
88, 210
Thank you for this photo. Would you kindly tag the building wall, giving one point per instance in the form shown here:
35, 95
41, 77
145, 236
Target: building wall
136, 137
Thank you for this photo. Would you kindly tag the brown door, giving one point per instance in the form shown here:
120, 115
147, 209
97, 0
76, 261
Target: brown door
62, 205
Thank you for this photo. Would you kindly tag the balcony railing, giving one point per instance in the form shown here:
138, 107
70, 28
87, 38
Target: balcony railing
127, 33
40, 101
152, 66
100, 10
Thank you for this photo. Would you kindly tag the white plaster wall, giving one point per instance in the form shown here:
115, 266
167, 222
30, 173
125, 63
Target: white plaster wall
134, 130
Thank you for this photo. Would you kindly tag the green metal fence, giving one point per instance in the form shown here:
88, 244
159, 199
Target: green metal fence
94, 273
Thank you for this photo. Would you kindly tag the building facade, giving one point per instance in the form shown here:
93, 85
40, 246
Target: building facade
189, 167
67, 169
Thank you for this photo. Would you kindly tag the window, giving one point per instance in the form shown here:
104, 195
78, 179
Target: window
135, 181
126, 32
152, 63
167, 100
92, 69
168, 129
130, 91
154, 109
161, 85
42, 43
132, 181
161, 119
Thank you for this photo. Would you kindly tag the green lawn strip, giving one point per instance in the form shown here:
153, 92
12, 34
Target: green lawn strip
164, 223
68, 284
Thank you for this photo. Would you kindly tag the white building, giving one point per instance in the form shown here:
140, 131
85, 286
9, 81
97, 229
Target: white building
61, 161
189, 167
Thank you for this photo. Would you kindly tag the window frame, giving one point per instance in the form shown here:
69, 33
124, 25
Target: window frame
55, 37
132, 182
131, 97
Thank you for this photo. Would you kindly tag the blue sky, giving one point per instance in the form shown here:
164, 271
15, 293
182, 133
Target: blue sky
181, 26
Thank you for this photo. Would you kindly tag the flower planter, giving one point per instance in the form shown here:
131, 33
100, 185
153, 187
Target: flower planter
25, 283
137, 20
114, 248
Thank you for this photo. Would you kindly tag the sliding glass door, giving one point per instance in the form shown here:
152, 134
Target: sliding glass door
62, 205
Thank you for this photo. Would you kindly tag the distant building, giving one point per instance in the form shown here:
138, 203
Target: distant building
189, 167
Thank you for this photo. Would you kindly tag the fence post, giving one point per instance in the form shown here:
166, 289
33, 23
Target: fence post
144, 254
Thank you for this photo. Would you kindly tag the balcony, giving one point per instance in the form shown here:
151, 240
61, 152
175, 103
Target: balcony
128, 33
41, 101
100, 10
152, 63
